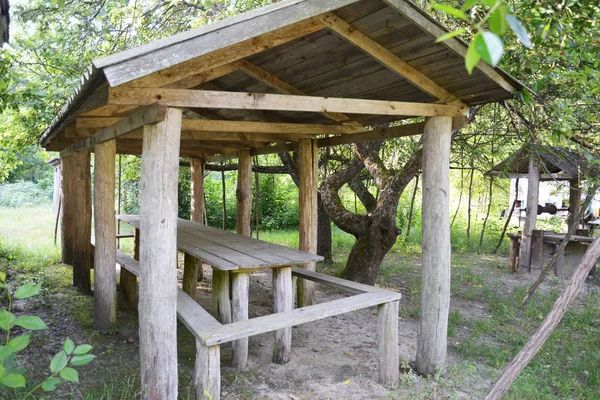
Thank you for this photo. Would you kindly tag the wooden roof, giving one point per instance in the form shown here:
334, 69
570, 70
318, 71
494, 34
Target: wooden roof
332, 51
4, 21
556, 163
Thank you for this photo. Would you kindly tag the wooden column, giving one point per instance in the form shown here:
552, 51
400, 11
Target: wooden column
158, 249
283, 299
207, 372
105, 250
435, 290
128, 281
308, 213
67, 210
221, 295
574, 200
192, 267
533, 187
82, 228
240, 281
387, 337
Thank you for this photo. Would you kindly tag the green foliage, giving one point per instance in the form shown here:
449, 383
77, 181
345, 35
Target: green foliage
24, 194
10, 375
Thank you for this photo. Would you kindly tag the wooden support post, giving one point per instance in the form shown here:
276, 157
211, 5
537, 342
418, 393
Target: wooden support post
128, 281
308, 213
533, 187
282, 301
244, 193
105, 249
190, 275
207, 372
435, 291
82, 229
197, 207
574, 200
239, 306
158, 275
387, 337
512, 256
220, 293
537, 252
67, 209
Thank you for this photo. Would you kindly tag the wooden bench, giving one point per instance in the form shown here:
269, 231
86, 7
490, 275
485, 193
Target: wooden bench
210, 333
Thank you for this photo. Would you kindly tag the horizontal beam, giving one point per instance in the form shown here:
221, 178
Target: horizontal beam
277, 102
269, 323
544, 177
150, 114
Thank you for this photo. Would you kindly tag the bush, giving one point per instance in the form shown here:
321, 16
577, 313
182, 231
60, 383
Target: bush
24, 194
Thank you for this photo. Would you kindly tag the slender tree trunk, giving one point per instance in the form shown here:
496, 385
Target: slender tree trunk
462, 172
412, 206
469, 204
487, 214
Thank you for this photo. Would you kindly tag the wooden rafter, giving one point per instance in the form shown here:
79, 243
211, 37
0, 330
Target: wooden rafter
274, 102
385, 57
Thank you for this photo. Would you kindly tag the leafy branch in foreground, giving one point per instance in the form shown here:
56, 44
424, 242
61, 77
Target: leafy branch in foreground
10, 375
490, 20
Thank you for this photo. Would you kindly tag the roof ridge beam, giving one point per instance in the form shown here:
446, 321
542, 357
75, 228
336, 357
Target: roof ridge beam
277, 102
385, 57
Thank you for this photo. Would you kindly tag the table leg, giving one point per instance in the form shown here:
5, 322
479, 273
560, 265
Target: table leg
282, 301
240, 287
221, 301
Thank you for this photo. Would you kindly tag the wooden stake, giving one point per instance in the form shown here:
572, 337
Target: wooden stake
435, 292
68, 210
308, 213
282, 301
239, 305
105, 249
533, 187
207, 372
158, 277
82, 231
387, 343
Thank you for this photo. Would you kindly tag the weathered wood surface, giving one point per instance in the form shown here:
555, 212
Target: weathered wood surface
207, 373
240, 286
158, 242
268, 323
128, 281
308, 158
105, 274
67, 210
221, 295
435, 290
190, 275
574, 199
276, 102
82, 226
339, 283
228, 251
283, 300
537, 252
533, 187
512, 255
243, 194
387, 343
197, 205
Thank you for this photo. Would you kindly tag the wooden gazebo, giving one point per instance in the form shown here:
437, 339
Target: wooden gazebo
295, 75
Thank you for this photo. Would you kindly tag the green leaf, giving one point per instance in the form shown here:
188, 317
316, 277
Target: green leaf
450, 10
58, 362
2, 371
31, 322
69, 374
468, 4
498, 22
2, 86
82, 360
27, 290
450, 35
472, 57
50, 384
14, 381
489, 46
5, 352
18, 343
69, 346
7, 320
519, 30
82, 349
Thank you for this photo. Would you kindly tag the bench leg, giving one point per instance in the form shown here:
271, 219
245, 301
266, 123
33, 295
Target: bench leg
221, 301
240, 284
387, 331
207, 373
282, 301
190, 275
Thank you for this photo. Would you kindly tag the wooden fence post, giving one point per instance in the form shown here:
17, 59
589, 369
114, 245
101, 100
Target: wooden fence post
105, 288
158, 242
67, 210
308, 213
435, 290
533, 187
82, 228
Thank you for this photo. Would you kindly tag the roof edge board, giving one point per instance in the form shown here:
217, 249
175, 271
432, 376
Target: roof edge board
136, 63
